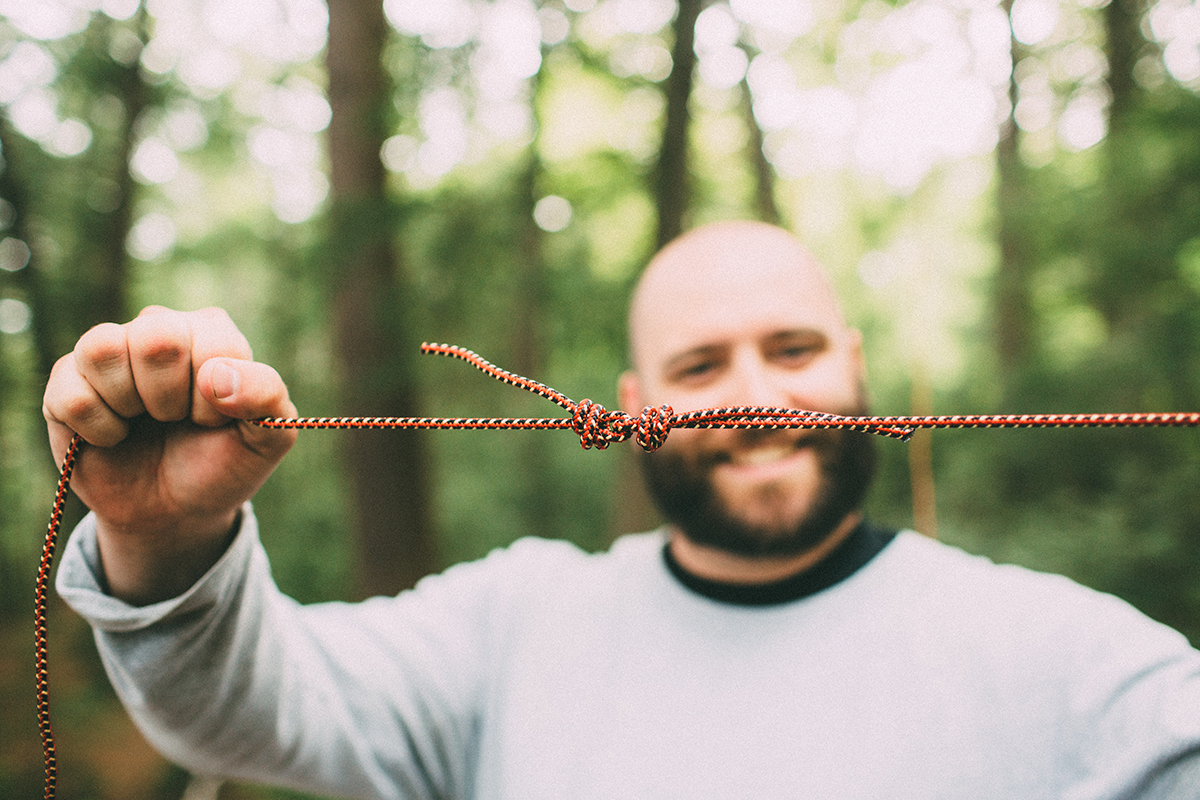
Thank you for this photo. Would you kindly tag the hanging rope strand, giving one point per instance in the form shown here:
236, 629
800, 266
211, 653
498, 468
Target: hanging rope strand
596, 427
40, 628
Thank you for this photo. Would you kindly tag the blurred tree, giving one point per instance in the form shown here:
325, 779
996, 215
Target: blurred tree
108, 59
528, 337
673, 175
1123, 46
21, 279
765, 207
371, 310
1013, 315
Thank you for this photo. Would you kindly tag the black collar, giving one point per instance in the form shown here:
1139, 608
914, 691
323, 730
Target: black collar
863, 544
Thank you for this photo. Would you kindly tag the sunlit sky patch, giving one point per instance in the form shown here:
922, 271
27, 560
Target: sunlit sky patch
1176, 25
552, 213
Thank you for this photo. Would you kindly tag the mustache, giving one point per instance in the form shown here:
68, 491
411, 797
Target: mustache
750, 438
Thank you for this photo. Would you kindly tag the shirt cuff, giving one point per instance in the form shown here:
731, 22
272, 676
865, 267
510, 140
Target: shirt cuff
79, 581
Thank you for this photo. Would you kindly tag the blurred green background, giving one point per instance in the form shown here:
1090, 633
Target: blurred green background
1007, 194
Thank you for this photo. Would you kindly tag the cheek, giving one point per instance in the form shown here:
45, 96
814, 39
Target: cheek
682, 398
831, 388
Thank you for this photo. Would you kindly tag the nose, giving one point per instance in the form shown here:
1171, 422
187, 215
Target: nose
755, 383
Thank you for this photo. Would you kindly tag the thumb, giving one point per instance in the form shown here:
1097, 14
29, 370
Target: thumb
239, 389
234, 388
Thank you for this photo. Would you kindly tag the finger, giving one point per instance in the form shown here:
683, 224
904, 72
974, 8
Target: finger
214, 335
102, 358
160, 358
72, 405
248, 390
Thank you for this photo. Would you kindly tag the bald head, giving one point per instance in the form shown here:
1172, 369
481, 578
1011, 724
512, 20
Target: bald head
723, 276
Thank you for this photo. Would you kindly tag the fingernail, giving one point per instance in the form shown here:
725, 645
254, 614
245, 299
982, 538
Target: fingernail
225, 381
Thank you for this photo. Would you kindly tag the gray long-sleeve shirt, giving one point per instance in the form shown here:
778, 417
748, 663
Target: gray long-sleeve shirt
545, 672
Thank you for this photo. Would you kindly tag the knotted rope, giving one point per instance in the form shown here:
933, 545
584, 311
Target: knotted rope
597, 427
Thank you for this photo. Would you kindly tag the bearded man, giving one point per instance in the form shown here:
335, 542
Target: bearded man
766, 642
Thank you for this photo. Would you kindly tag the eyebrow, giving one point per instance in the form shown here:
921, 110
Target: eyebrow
800, 333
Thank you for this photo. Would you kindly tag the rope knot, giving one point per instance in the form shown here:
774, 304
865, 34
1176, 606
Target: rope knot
598, 427
653, 426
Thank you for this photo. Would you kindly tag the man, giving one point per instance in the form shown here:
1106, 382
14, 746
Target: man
766, 643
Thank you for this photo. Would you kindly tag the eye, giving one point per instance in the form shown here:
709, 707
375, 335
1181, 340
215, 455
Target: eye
796, 350
695, 369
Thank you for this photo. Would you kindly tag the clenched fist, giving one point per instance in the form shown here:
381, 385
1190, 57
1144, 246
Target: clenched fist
161, 401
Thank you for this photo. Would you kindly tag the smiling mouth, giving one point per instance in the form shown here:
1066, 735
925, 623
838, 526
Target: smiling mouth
767, 452
762, 455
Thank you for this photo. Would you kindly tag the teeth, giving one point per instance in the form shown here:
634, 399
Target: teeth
762, 455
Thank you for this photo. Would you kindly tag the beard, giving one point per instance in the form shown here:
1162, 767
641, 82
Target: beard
682, 487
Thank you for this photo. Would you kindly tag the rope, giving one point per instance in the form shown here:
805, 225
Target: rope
597, 427
43, 579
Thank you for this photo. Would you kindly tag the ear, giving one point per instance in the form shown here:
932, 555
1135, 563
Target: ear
629, 393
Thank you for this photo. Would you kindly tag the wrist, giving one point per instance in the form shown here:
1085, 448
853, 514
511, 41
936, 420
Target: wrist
144, 567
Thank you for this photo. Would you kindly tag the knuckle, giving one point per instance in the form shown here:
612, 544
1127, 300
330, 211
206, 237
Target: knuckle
160, 351
64, 380
162, 342
101, 334
65, 364
103, 346
79, 410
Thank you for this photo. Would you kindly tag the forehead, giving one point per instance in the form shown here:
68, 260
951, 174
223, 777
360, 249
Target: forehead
728, 283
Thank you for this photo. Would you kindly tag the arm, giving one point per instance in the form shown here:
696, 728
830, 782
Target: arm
162, 401
231, 678
222, 673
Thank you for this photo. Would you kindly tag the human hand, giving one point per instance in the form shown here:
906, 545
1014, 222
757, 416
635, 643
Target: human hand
162, 400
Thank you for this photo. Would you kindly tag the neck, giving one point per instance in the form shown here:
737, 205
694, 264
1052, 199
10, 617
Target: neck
723, 567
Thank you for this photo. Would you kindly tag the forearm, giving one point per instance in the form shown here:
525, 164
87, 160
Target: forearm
233, 678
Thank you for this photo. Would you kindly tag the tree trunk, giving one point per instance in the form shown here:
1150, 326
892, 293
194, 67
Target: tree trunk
672, 188
528, 340
1122, 285
105, 269
29, 280
765, 207
1123, 41
386, 470
1012, 303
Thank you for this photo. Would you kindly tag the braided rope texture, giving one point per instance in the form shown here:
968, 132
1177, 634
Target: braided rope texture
597, 427
40, 626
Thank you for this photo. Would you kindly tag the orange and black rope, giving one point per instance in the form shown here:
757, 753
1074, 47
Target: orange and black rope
596, 427
43, 580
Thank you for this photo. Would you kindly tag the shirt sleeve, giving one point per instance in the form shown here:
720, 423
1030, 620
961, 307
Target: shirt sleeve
378, 699
1135, 702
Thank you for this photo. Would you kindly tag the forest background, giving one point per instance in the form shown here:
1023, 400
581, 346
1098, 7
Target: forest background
1008, 195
